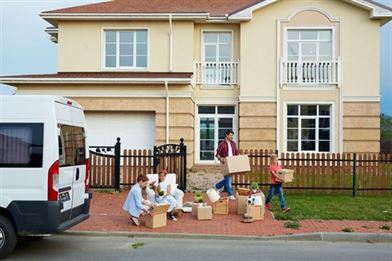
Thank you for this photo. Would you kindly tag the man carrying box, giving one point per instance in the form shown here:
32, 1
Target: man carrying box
226, 148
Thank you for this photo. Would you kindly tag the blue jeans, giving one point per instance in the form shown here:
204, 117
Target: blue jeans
226, 182
276, 189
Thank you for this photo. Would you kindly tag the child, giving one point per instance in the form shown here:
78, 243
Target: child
135, 205
276, 185
167, 197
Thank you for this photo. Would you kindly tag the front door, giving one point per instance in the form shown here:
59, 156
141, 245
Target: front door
213, 122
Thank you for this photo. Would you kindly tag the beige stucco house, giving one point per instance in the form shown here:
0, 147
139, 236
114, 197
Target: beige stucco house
292, 75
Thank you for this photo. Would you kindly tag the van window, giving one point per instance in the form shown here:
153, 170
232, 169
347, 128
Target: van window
21, 145
72, 146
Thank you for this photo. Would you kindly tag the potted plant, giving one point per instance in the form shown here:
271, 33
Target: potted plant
200, 200
161, 193
254, 187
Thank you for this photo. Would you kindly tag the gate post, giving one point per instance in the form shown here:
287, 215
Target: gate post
354, 175
184, 155
155, 160
117, 164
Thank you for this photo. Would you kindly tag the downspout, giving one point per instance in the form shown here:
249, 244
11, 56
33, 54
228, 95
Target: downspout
167, 111
170, 44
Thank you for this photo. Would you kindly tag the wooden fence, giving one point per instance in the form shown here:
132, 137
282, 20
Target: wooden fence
346, 173
101, 170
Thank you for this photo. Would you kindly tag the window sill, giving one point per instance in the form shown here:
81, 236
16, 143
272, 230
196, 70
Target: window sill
216, 87
320, 87
125, 70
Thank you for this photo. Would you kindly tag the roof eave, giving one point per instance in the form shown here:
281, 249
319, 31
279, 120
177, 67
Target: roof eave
16, 80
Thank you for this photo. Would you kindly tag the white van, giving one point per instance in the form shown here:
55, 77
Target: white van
43, 167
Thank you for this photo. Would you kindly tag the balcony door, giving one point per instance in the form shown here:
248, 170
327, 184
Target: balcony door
217, 57
212, 124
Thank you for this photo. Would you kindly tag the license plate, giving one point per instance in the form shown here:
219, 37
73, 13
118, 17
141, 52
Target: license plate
64, 196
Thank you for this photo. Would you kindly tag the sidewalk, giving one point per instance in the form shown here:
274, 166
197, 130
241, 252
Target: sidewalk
106, 214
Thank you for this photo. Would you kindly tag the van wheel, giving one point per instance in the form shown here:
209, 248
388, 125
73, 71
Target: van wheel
8, 237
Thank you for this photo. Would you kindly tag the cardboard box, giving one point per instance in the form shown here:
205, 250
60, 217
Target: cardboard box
242, 204
235, 165
221, 207
243, 191
256, 212
158, 217
286, 175
194, 209
204, 213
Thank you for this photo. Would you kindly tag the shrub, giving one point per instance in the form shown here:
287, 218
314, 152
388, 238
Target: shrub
385, 227
348, 230
292, 224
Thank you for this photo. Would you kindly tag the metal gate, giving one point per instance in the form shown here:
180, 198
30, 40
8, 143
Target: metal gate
111, 168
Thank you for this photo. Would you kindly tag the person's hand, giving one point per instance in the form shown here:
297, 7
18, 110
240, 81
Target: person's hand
146, 208
222, 160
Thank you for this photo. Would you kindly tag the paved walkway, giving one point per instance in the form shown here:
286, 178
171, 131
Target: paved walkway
106, 214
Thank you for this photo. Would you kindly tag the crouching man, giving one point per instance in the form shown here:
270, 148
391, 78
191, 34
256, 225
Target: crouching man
135, 205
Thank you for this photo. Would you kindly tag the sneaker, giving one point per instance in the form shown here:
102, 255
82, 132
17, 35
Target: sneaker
231, 198
268, 206
135, 220
286, 210
173, 218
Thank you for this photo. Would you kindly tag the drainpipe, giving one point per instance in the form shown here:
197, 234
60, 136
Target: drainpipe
167, 111
170, 44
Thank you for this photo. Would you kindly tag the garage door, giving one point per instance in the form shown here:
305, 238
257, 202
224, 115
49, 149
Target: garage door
136, 130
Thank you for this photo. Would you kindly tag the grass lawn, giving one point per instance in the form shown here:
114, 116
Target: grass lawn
327, 207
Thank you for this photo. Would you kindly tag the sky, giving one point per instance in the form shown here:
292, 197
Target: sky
25, 48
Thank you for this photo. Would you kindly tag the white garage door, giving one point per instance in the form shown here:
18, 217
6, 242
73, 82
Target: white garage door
136, 130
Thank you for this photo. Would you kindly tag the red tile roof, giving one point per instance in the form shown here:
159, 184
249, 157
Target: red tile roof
216, 8
84, 75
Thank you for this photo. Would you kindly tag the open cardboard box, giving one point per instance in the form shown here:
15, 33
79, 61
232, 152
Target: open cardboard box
158, 217
235, 165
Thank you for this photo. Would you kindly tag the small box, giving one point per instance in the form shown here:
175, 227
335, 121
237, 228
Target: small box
194, 209
256, 212
286, 175
242, 204
243, 191
204, 213
235, 165
158, 217
221, 207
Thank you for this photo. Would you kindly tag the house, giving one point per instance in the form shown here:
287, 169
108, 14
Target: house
297, 76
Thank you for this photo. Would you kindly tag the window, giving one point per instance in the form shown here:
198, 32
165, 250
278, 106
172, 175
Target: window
309, 45
126, 49
217, 47
21, 145
309, 128
214, 121
72, 148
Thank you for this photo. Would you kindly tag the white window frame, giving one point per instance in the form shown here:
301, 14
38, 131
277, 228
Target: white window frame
332, 126
216, 31
309, 28
118, 67
216, 117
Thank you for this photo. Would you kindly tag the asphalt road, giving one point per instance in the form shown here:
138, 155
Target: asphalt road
65, 247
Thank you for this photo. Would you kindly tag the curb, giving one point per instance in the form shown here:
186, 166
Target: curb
317, 236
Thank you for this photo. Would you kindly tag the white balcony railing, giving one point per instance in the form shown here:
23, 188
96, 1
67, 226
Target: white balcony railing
217, 73
310, 73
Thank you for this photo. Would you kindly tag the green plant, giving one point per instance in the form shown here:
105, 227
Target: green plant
385, 227
348, 230
292, 224
137, 245
161, 193
199, 200
254, 186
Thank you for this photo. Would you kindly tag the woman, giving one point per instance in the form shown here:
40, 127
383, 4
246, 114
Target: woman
167, 196
135, 205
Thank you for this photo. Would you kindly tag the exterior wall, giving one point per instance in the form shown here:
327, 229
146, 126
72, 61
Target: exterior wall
87, 39
361, 127
259, 47
257, 125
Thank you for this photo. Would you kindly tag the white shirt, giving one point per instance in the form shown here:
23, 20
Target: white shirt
230, 149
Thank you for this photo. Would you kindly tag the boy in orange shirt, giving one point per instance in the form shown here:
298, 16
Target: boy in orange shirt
276, 185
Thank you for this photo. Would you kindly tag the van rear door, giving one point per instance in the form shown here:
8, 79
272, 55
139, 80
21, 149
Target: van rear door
66, 158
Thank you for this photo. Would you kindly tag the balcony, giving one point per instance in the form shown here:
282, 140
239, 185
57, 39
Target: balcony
310, 73
217, 73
